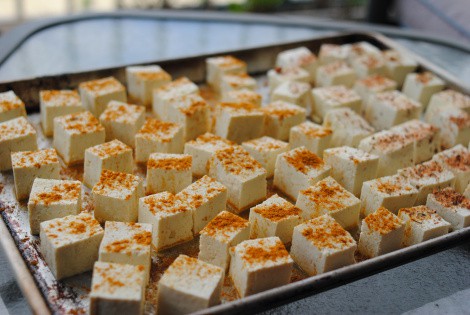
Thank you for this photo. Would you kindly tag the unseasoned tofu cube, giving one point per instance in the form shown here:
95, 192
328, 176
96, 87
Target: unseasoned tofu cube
368, 64
421, 86
335, 73
234, 82
446, 98
11, 106
96, 94
293, 92
265, 150
348, 127
16, 134
333, 97
315, 138
372, 84
280, 118
298, 57
243, 96
280, 75
165, 93
168, 172
142, 80
454, 125
456, 160
216, 67
192, 112
451, 206
398, 65
331, 53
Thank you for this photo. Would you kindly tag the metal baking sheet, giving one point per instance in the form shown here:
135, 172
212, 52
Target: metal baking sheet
71, 295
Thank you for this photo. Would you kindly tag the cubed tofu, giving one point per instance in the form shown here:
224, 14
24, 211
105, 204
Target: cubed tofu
391, 192
361, 49
333, 97
216, 67
243, 96
165, 93
351, 167
456, 160
331, 53
28, 165
189, 285
368, 64
466, 193
243, 176
116, 196
454, 125
55, 103
299, 57
168, 172
265, 150
171, 219
293, 92
315, 138
96, 94
398, 65
451, 206
421, 86
70, 244
16, 134
335, 73
281, 117
142, 80
51, 199
321, 245
348, 127
158, 136
280, 75
74, 133
11, 106
298, 169
373, 84
446, 98
381, 232
259, 265
234, 82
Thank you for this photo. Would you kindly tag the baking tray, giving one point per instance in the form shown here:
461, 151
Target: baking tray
45, 295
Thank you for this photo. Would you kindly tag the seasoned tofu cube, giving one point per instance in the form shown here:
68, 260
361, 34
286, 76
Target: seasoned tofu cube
298, 57
11, 106
280, 75
348, 127
333, 97
444, 99
451, 206
70, 244
216, 67
368, 64
265, 150
259, 265
398, 65
454, 125
421, 86
315, 138
234, 82
51, 199
456, 160
373, 84
16, 134
192, 112
332, 53
293, 92
96, 94
281, 117
361, 49
189, 285
335, 73
243, 96
142, 80
165, 93
28, 165
168, 172
321, 245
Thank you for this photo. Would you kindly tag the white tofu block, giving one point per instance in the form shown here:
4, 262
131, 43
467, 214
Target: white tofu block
381, 232
216, 67
391, 192
444, 99
348, 127
96, 94
451, 206
387, 109
329, 197
192, 112
11, 106
422, 224
368, 64
421, 86
281, 117
28, 165
332, 53
427, 177
206, 198
70, 244
243, 96
223, 232
117, 289
16, 134
372, 84
315, 138
142, 80
158, 136
168, 172
127, 243
466, 193
335, 73
202, 148
395, 151
456, 160
265, 150
74, 133
189, 285
293, 92
454, 125
361, 49
259, 265
235, 82
321, 245
113, 156
398, 65
298, 57
122, 121
280, 75
238, 122
55, 103
333, 97
298, 169
351, 167
274, 217
116, 196
51, 199
171, 219
243, 176
165, 93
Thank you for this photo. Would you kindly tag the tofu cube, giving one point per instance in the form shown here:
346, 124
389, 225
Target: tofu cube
329, 197
444, 99
456, 160
421, 86
243, 176
335, 73
451, 206
165, 93
55, 103
348, 127
293, 92
217, 67
259, 265
158, 136
28, 165
96, 94
373, 84
243, 96
391, 192
298, 57
280, 75
171, 219
351, 167
16, 134
206, 198
117, 289
142, 80
382, 232
189, 285
398, 65
315, 138
361, 49
454, 125
11, 106
116, 196
422, 224
219, 235
368, 64
298, 169
234, 82
274, 217
265, 150
466, 193
74, 133
321, 245
333, 97
281, 117
51, 199
330, 53
168, 172
70, 244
